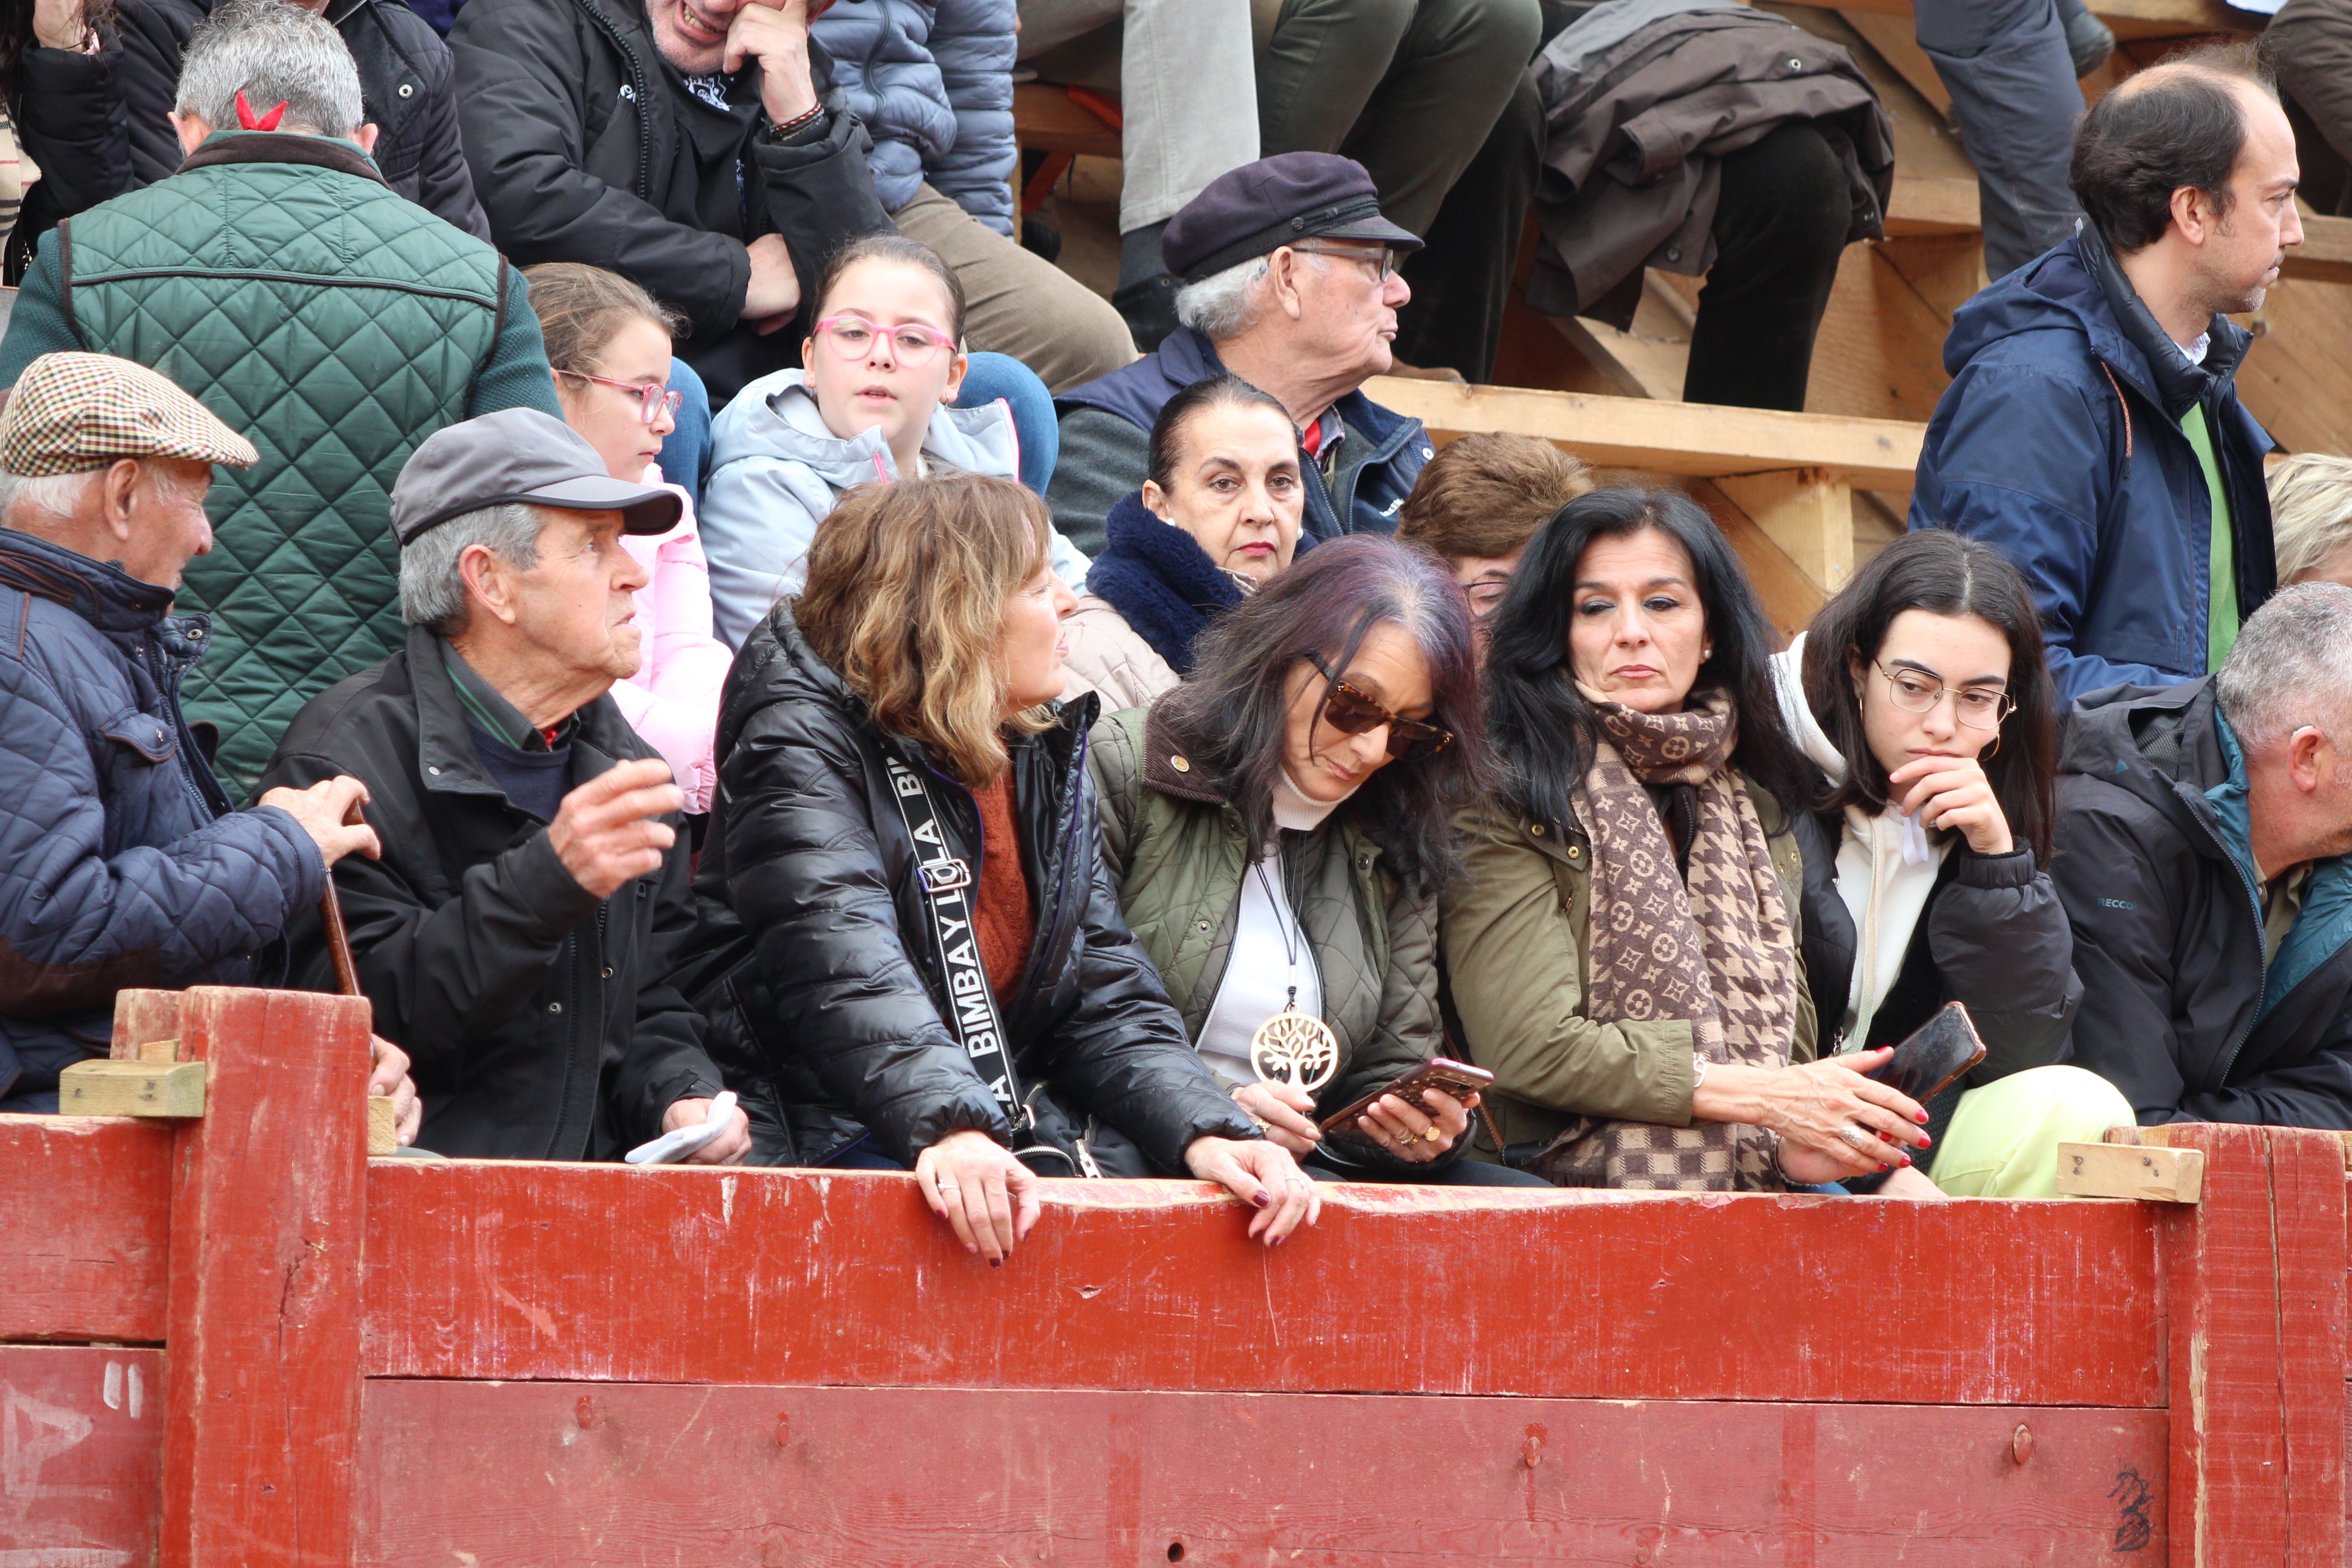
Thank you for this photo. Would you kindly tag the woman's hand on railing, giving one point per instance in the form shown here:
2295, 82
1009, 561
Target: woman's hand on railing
1262, 1174
1283, 1112
1412, 1135
974, 1183
388, 1076
1832, 1121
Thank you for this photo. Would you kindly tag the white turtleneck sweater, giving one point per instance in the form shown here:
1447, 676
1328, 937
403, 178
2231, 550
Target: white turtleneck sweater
1887, 863
1258, 972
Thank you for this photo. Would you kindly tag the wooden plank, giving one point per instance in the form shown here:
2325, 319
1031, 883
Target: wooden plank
2129, 19
105, 1088
143, 1018
1789, 597
383, 1125
263, 1386
2254, 1277
85, 1209
1698, 439
1807, 514
1045, 116
1929, 203
81, 1454
1897, 43
506, 1270
552, 1473
2325, 254
2150, 1174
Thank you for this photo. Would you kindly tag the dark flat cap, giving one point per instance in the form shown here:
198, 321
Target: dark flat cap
1262, 206
519, 455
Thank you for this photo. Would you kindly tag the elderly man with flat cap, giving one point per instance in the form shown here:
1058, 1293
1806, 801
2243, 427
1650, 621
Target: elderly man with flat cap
121, 861
517, 934
1291, 282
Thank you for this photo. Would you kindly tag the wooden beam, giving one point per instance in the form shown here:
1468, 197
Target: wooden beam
2325, 254
2114, 1171
1933, 204
85, 1229
1789, 597
1808, 512
383, 1125
1048, 116
1698, 439
103, 1088
2128, 18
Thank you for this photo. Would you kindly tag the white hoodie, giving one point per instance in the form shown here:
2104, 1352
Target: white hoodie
1887, 863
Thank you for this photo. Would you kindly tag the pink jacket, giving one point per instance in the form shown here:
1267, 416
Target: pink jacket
672, 699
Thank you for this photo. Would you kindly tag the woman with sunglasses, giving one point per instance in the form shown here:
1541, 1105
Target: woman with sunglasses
1920, 697
868, 408
1621, 948
1277, 827
608, 342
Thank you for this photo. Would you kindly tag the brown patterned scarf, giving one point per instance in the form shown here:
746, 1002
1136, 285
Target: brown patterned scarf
1713, 947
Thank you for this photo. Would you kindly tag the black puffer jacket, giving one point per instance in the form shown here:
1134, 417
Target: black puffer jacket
539, 1017
839, 1009
1993, 937
97, 124
587, 145
2180, 1010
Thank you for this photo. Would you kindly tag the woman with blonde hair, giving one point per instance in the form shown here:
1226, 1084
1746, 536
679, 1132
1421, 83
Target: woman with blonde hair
934, 972
608, 342
2311, 518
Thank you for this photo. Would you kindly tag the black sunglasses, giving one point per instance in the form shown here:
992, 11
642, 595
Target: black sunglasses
1352, 712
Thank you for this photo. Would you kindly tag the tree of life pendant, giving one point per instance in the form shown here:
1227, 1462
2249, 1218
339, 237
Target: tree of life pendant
1294, 1047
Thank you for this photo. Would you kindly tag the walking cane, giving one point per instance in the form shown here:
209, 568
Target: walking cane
384, 1136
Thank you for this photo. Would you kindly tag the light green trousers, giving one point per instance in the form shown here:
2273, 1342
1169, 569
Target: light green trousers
2003, 1140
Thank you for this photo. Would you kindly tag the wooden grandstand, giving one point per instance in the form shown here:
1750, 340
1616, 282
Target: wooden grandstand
1804, 497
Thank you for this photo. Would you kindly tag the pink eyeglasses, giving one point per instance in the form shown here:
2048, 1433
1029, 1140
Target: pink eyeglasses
912, 344
654, 400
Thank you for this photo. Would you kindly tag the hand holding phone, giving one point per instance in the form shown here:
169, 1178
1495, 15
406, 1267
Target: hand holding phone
1933, 1055
1457, 1081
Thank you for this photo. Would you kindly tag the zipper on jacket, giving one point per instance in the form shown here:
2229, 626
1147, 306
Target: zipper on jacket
1053, 920
611, 30
2262, 954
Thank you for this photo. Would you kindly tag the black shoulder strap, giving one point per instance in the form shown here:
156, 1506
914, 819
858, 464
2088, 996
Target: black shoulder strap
65, 273
947, 892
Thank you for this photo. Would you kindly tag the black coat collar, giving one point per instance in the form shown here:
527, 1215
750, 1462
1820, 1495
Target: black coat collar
282, 147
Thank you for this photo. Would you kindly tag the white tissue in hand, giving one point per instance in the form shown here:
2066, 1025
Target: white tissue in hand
672, 1147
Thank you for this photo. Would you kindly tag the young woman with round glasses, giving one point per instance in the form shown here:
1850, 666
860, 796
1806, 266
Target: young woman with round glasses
1277, 827
869, 407
1921, 701
608, 342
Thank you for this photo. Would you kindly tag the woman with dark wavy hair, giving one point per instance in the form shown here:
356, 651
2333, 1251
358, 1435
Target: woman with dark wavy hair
1622, 949
1278, 827
1923, 703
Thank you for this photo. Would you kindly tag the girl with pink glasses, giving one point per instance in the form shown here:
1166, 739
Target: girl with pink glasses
886, 357
608, 342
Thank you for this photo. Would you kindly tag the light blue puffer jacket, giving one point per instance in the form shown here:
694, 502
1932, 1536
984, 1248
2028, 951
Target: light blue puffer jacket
932, 80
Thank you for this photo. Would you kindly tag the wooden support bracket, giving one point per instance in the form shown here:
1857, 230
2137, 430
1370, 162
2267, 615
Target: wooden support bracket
1808, 512
103, 1088
2121, 1171
383, 1126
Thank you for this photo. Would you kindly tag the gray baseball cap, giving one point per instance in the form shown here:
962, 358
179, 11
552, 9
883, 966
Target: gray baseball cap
517, 455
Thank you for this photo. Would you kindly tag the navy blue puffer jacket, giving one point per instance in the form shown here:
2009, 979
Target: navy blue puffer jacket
120, 862
932, 80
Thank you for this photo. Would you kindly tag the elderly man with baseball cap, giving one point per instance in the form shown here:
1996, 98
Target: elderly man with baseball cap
517, 934
1290, 283
121, 860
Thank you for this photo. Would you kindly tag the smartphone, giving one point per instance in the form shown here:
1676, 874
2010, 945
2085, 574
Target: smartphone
1458, 1079
1933, 1055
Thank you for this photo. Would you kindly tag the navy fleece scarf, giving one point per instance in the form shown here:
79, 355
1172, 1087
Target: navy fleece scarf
1166, 586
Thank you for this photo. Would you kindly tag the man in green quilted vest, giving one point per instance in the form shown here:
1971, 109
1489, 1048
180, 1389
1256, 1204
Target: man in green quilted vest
327, 320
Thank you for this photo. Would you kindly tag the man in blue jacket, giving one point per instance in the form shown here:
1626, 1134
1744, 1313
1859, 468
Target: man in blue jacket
1291, 284
2092, 432
120, 862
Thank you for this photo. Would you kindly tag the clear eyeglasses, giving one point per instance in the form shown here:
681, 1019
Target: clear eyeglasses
1979, 707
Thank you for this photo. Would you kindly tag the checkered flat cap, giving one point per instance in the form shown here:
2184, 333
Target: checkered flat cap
73, 412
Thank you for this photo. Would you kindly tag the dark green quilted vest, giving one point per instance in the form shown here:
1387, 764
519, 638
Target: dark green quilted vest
336, 326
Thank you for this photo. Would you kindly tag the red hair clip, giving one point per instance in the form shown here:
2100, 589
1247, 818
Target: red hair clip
249, 121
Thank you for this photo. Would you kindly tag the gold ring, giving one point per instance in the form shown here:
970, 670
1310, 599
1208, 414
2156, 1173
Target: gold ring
1429, 1134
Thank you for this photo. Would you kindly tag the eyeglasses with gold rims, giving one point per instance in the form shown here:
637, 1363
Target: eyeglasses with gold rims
1915, 691
912, 344
654, 399
1382, 260
1354, 712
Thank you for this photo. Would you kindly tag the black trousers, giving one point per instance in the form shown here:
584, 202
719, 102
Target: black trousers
1462, 278
1462, 1172
1780, 227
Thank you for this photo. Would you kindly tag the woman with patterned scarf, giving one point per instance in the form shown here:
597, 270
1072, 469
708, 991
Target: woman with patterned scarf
1622, 950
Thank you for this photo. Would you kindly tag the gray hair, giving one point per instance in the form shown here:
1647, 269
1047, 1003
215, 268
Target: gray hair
274, 53
432, 589
2311, 511
2291, 666
1224, 304
26, 498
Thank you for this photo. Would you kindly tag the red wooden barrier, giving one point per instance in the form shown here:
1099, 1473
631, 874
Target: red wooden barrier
398, 1363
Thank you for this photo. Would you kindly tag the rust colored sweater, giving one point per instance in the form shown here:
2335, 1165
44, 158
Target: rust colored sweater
1006, 920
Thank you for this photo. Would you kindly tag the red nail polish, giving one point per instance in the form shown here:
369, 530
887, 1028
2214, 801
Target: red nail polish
1261, 1200
1925, 1141
1923, 1119
996, 1263
1906, 1161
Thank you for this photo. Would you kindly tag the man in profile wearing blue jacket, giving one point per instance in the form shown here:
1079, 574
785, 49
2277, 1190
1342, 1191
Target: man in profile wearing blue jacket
2092, 432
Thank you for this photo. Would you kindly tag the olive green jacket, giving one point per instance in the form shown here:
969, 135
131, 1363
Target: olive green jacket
1177, 852
1515, 932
